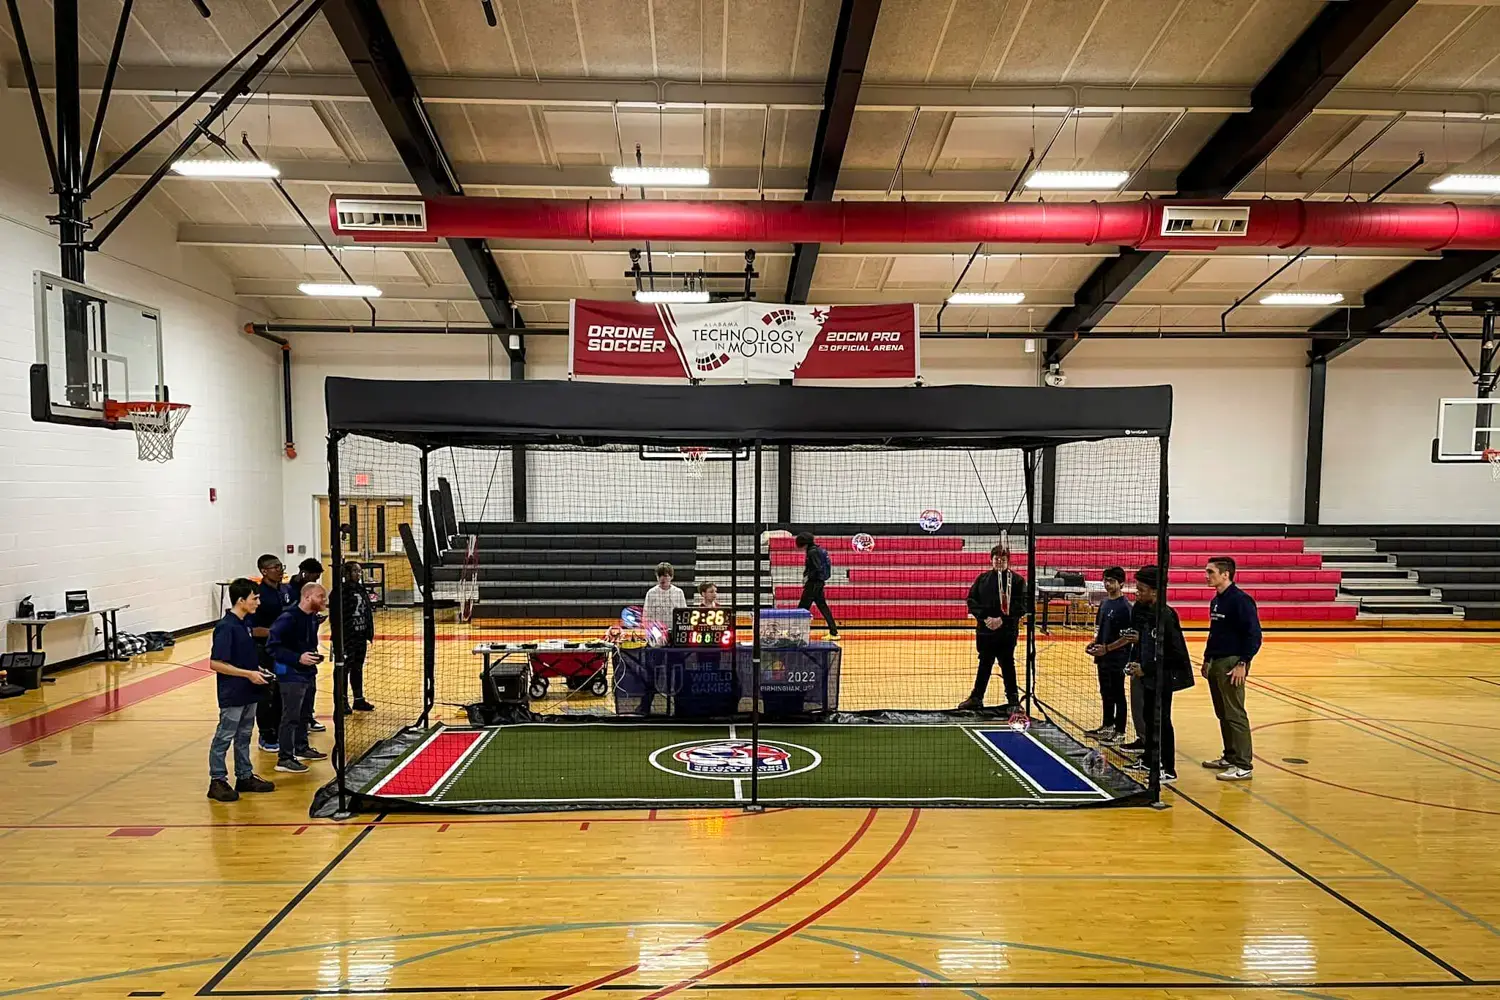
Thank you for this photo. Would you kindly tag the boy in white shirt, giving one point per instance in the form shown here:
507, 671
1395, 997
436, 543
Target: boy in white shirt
660, 602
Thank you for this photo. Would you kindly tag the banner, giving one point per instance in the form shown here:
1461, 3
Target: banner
734, 341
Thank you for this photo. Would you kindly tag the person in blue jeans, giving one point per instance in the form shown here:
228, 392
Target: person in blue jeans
236, 661
293, 645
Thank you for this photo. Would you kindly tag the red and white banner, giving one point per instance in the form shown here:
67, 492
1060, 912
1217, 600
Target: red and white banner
734, 341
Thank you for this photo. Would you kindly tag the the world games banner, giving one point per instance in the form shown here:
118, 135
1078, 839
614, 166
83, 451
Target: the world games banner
734, 341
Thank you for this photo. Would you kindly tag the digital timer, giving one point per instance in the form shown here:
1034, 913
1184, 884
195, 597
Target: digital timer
701, 627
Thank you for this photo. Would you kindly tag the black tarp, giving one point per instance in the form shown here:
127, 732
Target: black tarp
483, 412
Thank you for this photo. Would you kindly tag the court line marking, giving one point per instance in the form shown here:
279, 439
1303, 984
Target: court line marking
1391, 872
208, 988
77, 713
1312, 879
804, 882
410, 756
1006, 764
539, 929
739, 783
461, 766
793, 928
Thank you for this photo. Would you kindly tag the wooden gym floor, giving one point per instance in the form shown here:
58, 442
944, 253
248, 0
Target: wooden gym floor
1360, 863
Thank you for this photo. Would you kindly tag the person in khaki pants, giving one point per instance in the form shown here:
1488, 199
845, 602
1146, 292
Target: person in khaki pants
1233, 640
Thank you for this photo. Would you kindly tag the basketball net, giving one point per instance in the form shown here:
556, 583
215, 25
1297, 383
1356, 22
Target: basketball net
696, 459
155, 425
1492, 456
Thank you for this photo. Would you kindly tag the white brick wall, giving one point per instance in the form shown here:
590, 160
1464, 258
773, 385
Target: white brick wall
77, 509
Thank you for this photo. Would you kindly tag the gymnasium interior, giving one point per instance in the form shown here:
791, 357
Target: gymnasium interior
562, 370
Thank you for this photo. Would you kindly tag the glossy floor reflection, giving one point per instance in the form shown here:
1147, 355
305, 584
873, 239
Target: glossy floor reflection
1370, 870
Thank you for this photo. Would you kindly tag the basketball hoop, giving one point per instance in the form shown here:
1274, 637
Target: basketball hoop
155, 425
1492, 456
696, 459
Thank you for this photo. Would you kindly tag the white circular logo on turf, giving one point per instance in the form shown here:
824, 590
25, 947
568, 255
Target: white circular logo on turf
734, 759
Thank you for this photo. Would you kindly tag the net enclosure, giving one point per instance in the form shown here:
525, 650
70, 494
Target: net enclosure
566, 595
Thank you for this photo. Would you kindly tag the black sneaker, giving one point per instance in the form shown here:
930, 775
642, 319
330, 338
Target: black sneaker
970, 704
316, 727
360, 705
254, 783
219, 791
291, 766
1095, 734
311, 753
1134, 746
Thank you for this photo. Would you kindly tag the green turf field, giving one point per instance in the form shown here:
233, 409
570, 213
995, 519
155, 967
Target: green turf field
611, 764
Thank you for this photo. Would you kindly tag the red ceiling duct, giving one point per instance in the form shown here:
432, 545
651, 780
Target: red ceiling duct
1147, 225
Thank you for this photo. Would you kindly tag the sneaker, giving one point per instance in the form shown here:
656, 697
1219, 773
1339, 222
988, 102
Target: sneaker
360, 705
1134, 746
1236, 774
291, 766
316, 727
1168, 777
1218, 764
1112, 737
269, 747
311, 754
834, 637
254, 783
970, 704
1135, 767
1100, 733
219, 791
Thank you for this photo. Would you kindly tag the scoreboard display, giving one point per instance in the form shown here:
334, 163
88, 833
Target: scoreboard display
701, 627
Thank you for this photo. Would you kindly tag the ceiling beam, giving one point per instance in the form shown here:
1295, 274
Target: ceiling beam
168, 82
852, 39
1403, 295
979, 185
366, 39
1306, 74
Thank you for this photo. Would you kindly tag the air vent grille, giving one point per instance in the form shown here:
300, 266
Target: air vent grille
388, 215
1217, 221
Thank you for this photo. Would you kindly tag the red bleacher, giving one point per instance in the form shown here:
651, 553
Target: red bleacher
927, 577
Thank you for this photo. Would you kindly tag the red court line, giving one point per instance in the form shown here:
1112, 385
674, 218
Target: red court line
730, 925
422, 772
65, 717
790, 929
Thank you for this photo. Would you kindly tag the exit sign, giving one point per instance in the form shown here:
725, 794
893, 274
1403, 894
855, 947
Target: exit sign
361, 479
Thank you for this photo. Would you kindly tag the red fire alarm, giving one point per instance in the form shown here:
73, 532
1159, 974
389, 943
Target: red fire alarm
361, 479
213, 494
290, 549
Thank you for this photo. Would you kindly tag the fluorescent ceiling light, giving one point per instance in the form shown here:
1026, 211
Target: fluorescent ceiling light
659, 176
672, 295
1467, 184
986, 298
1302, 299
1077, 180
226, 169
340, 291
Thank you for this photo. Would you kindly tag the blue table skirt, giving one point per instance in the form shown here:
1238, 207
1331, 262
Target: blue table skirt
698, 683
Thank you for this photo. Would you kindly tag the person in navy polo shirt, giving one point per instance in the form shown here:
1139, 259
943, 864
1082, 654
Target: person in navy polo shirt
275, 597
308, 571
235, 660
1233, 640
293, 645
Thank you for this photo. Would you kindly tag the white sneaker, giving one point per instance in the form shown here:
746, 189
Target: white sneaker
1168, 777
1236, 774
1112, 737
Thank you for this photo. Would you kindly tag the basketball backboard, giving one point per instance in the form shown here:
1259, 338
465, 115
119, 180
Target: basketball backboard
1466, 427
91, 346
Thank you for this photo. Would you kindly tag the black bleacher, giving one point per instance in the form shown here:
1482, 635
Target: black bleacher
1465, 567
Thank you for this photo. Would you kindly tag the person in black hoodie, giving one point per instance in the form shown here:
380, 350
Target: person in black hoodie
359, 632
1173, 673
998, 600
816, 569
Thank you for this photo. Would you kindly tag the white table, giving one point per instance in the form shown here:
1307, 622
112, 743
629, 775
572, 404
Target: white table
34, 627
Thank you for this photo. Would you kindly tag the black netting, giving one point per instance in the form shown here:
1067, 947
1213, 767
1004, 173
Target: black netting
534, 659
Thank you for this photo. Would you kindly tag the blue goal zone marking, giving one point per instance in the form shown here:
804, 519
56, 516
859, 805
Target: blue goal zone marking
1047, 772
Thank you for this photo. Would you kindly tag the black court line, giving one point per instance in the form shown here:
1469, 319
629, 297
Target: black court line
1464, 978
1484, 680
974, 984
209, 988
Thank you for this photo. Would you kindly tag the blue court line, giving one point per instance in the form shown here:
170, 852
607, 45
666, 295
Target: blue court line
557, 928
1049, 774
1411, 883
